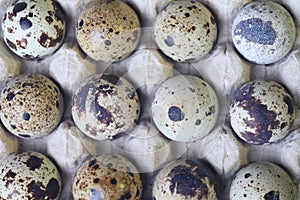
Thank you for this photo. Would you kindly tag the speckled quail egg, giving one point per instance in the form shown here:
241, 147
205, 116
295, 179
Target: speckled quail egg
186, 179
107, 177
261, 112
31, 106
263, 32
105, 106
34, 29
185, 30
29, 175
185, 108
108, 30
262, 180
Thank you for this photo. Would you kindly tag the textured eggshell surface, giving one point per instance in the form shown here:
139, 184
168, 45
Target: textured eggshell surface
107, 177
262, 180
34, 29
185, 30
29, 175
31, 106
263, 32
105, 106
185, 108
261, 112
108, 30
186, 179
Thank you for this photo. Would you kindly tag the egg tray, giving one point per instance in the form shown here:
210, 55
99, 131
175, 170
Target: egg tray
223, 69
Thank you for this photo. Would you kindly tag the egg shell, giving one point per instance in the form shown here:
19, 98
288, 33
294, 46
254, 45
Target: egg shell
34, 29
263, 32
105, 106
186, 179
107, 177
185, 108
262, 180
185, 30
108, 30
261, 112
29, 175
31, 106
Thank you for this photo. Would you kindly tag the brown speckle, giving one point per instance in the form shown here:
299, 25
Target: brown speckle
34, 162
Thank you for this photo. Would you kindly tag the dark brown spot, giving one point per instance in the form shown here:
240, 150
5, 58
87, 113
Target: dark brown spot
25, 23
34, 163
80, 98
49, 19
212, 110
113, 181
186, 183
96, 180
125, 196
24, 136
198, 122
169, 41
22, 43
27, 85
26, 116
102, 114
247, 175
19, 7
52, 189
30, 14
11, 44
10, 30
9, 178
107, 42
187, 14
273, 195
92, 162
10, 96
80, 23
175, 114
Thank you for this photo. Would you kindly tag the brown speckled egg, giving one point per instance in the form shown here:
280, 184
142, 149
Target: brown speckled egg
105, 106
185, 108
107, 177
34, 29
186, 179
108, 30
185, 30
29, 175
31, 106
262, 180
263, 32
261, 112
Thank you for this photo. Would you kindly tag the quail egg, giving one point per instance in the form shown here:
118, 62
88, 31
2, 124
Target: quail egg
34, 29
261, 112
263, 32
262, 180
185, 108
107, 177
108, 30
29, 175
186, 179
185, 30
104, 106
31, 106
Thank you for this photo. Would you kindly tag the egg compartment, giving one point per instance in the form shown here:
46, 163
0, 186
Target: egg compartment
146, 68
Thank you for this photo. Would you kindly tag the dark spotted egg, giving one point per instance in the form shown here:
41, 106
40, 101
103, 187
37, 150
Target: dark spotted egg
185, 30
262, 180
261, 112
263, 32
29, 175
34, 29
185, 108
107, 177
186, 179
108, 30
31, 106
105, 106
